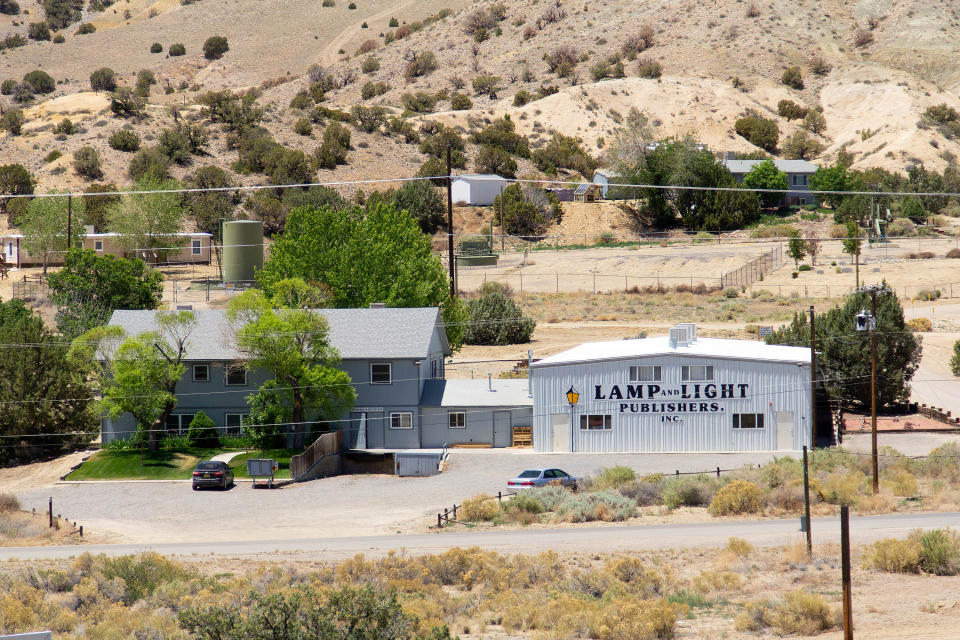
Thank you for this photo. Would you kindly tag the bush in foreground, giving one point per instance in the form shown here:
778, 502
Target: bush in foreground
481, 507
936, 551
798, 612
740, 496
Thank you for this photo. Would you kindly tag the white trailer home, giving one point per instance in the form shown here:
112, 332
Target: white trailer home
478, 190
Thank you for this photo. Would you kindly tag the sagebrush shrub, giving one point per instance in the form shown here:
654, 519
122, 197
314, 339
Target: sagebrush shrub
740, 496
614, 477
606, 506
177, 49
894, 556
481, 507
214, 47
8, 503
939, 551
125, 140
156, 47
86, 162
694, 491
525, 501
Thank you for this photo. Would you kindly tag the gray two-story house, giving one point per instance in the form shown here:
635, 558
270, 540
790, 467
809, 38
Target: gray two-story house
798, 173
395, 360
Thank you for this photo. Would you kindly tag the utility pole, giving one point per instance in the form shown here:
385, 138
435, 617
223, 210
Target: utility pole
806, 503
873, 388
813, 380
845, 573
453, 284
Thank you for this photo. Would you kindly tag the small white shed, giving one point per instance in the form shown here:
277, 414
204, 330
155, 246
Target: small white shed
477, 190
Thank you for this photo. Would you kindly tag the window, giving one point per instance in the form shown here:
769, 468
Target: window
434, 369
645, 373
178, 423
596, 422
696, 373
236, 375
234, 422
458, 419
401, 420
201, 373
380, 373
748, 421
98, 245
196, 247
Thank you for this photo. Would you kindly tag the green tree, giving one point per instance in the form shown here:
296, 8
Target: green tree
40, 81
955, 359
149, 164
264, 425
44, 227
852, 246
140, 377
495, 319
103, 79
801, 146
214, 47
86, 162
765, 175
759, 131
146, 222
363, 255
796, 248
793, 78
420, 199
292, 344
209, 208
90, 288
202, 431
96, 206
833, 178
14, 180
496, 161
526, 210
46, 406
844, 353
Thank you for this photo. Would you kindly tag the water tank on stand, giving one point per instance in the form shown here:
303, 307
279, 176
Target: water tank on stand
242, 250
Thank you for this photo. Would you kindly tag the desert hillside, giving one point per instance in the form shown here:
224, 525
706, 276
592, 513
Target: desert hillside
872, 67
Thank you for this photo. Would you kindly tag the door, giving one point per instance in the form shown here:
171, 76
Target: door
560, 426
785, 430
362, 431
501, 428
375, 430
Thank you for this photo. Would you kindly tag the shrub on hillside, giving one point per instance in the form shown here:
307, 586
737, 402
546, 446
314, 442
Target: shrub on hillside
124, 102
9, 7
373, 89
419, 102
9, 503
177, 49
758, 131
563, 152
638, 42
214, 47
792, 77
124, 140
156, 47
486, 86
495, 161
423, 64
86, 162
86, 29
333, 150
149, 162
39, 30
40, 81
460, 102
740, 496
7, 86
370, 65
649, 68
527, 210
303, 127
790, 110
103, 79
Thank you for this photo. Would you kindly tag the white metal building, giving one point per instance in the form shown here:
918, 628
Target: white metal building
673, 393
477, 190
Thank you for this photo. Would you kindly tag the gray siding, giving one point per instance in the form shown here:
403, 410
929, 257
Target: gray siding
772, 388
479, 425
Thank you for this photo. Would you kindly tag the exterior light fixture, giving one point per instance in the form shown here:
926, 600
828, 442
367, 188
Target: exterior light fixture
572, 396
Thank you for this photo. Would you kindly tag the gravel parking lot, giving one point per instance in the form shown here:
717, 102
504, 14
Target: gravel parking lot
341, 506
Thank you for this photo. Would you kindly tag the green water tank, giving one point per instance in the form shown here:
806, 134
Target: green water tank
242, 250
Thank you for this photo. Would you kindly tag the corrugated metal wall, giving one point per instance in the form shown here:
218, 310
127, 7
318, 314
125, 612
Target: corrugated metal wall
416, 464
772, 388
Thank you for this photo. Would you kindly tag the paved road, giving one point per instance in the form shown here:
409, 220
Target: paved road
590, 539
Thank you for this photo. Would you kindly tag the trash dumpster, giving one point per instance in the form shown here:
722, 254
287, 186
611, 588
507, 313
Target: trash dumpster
263, 468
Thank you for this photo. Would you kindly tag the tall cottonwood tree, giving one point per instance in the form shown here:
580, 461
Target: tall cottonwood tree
140, 375
44, 227
147, 221
292, 344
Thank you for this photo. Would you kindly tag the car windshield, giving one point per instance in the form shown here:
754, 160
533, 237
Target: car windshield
530, 473
208, 466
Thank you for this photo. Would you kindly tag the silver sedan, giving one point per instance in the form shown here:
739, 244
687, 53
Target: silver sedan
532, 478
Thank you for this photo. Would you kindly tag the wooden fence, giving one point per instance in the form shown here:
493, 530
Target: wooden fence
327, 444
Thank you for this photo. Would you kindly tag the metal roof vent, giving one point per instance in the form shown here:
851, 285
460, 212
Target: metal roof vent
691, 329
678, 336
378, 305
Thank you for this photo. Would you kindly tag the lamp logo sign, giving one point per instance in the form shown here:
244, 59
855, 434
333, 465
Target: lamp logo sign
685, 398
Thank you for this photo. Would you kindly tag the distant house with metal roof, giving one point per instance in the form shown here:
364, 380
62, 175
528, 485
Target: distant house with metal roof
477, 190
798, 173
395, 360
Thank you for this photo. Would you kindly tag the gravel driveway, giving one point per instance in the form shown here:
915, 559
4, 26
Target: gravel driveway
341, 506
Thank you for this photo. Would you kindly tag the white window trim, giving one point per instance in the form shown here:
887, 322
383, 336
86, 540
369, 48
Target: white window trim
400, 415
98, 245
709, 373
585, 422
196, 247
226, 377
389, 366
758, 417
450, 414
205, 366
657, 373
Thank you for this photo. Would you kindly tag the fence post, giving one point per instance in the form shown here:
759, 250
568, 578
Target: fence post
50, 510
439, 521
499, 497
454, 512
718, 472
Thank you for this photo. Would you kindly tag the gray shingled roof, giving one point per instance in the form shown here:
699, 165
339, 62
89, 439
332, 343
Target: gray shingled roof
475, 393
787, 166
357, 333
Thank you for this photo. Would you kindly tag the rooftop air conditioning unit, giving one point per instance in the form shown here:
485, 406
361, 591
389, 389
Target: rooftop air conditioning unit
678, 337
